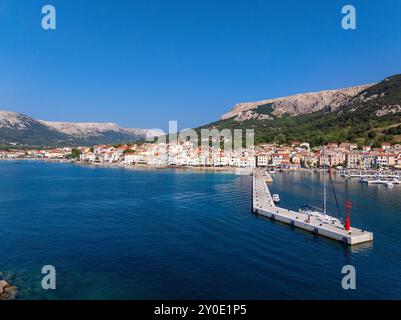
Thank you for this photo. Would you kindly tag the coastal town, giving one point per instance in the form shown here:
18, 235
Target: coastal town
296, 156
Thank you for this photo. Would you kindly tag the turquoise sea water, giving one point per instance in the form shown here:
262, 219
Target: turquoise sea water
165, 234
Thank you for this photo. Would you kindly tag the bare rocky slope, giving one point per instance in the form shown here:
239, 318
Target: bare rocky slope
301, 103
90, 129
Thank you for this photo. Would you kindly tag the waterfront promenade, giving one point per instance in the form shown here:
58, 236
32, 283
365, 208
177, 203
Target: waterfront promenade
263, 205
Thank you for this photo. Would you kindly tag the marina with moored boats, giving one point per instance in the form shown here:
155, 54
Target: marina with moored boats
378, 177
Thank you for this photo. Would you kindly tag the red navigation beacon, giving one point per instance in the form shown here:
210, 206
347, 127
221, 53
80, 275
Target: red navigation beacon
348, 206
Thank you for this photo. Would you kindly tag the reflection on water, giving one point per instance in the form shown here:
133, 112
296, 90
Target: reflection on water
359, 248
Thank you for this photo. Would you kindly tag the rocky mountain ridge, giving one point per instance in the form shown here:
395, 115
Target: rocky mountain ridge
301, 103
20, 129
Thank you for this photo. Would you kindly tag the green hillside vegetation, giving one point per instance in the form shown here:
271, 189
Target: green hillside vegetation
355, 122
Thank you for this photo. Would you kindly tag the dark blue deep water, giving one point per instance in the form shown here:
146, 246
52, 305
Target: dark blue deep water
164, 234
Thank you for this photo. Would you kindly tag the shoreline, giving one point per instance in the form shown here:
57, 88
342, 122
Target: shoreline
121, 165
228, 170
36, 159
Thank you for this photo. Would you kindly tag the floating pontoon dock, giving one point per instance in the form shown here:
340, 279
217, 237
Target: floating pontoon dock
263, 205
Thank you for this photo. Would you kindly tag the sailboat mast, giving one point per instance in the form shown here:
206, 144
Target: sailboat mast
324, 181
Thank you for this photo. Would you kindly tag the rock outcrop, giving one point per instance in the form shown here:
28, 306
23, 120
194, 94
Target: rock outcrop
7, 291
251, 115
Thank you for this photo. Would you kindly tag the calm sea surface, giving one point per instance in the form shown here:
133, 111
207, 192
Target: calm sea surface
164, 234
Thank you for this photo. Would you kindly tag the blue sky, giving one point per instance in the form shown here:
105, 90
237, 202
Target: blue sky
140, 63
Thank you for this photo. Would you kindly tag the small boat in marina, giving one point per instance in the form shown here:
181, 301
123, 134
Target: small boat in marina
276, 198
319, 213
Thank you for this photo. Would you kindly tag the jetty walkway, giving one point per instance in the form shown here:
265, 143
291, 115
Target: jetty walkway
263, 205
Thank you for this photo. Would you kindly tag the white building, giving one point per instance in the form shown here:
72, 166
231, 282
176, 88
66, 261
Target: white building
263, 160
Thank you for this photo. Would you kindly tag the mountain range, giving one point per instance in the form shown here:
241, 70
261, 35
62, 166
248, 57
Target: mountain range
366, 114
22, 130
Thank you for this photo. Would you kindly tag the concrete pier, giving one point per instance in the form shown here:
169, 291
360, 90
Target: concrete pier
268, 178
263, 205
